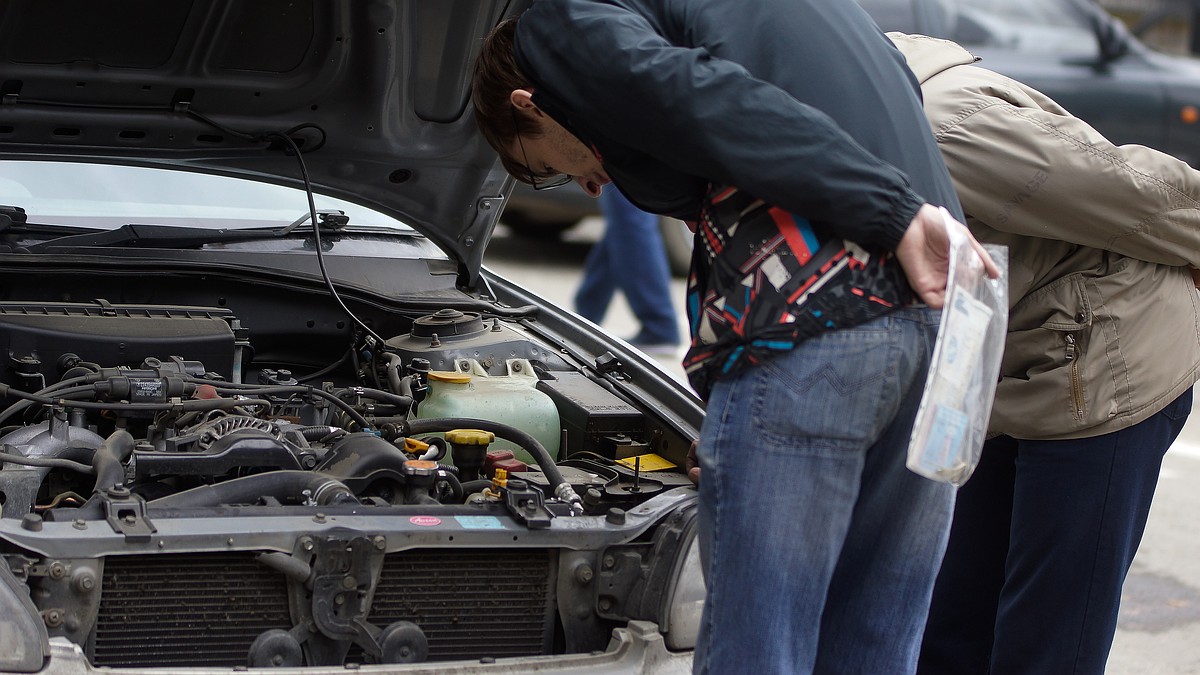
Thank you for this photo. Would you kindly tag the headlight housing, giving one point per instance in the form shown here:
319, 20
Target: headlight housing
685, 599
24, 642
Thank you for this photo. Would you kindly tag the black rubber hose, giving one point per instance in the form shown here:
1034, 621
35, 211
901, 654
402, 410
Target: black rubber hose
472, 486
45, 462
456, 488
109, 459
288, 390
184, 405
397, 383
360, 454
283, 485
509, 433
63, 388
316, 433
438, 443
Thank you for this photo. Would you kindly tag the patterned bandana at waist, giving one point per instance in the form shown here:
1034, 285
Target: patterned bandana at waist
763, 280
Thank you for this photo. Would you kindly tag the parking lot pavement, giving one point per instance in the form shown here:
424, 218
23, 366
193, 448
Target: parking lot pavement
1158, 631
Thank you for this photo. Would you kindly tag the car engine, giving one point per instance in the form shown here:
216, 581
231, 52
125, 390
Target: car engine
162, 429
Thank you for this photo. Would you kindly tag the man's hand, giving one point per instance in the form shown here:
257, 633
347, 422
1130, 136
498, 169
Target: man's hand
924, 253
693, 465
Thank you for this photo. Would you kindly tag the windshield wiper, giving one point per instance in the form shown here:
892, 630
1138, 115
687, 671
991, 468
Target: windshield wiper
153, 236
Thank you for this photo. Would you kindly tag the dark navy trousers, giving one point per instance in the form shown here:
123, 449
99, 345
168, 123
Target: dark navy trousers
1043, 535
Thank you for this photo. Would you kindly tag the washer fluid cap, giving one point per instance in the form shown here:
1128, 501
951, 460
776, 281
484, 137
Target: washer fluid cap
450, 376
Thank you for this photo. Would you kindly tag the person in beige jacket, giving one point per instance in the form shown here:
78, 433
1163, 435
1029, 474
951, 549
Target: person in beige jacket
1102, 351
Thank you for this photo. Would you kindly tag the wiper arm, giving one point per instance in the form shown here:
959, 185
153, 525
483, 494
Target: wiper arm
152, 236
330, 220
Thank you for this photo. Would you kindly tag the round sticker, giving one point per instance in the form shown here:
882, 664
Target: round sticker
425, 521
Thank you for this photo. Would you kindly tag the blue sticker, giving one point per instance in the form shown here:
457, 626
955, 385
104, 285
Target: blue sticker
480, 522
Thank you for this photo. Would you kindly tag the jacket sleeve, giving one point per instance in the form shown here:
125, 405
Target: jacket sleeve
1023, 165
709, 117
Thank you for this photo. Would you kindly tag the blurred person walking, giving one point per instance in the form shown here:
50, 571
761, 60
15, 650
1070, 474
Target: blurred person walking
630, 257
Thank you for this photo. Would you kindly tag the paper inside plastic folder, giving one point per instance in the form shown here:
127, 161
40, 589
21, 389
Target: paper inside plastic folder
951, 423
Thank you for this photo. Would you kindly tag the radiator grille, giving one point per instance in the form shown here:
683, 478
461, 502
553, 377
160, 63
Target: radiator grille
207, 609
201, 609
471, 603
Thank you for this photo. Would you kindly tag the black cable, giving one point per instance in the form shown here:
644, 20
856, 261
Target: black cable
187, 404
312, 214
45, 462
284, 389
62, 388
327, 369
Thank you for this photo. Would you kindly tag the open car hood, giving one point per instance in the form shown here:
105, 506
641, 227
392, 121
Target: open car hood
376, 92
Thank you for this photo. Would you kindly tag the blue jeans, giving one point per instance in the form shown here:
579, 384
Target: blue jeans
1044, 533
820, 547
629, 256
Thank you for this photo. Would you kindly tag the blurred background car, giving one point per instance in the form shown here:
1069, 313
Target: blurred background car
1073, 50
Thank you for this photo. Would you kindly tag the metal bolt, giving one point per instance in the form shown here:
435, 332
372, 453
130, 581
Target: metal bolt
85, 581
605, 604
609, 562
584, 574
31, 522
319, 518
349, 582
57, 570
229, 541
53, 617
380, 542
306, 544
79, 524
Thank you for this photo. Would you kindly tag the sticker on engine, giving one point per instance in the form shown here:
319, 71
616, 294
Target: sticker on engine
480, 522
649, 462
425, 521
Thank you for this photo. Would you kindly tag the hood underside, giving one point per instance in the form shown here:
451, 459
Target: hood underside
375, 92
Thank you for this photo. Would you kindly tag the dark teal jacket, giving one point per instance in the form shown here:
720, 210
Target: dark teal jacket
764, 95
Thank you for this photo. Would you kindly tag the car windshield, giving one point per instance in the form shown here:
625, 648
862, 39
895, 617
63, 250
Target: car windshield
108, 196
1028, 26
1031, 26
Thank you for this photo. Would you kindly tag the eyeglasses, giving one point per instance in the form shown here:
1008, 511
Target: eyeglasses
548, 183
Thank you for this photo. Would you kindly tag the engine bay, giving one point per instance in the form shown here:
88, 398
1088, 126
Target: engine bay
232, 454
445, 414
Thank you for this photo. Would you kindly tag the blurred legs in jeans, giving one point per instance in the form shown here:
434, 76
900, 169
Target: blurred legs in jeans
630, 257
807, 505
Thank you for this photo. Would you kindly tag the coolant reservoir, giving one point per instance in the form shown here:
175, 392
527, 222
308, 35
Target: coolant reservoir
511, 399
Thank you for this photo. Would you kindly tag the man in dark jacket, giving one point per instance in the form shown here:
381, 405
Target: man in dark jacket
791, 131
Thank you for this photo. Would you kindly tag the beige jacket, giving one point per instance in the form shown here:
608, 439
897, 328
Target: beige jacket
1104, 319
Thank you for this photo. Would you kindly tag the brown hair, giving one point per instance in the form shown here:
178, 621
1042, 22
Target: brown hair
495, 77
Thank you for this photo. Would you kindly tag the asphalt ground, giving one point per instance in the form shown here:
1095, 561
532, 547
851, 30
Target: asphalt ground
1159, 627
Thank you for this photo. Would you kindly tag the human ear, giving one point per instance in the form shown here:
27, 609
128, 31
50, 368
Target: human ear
522, 99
